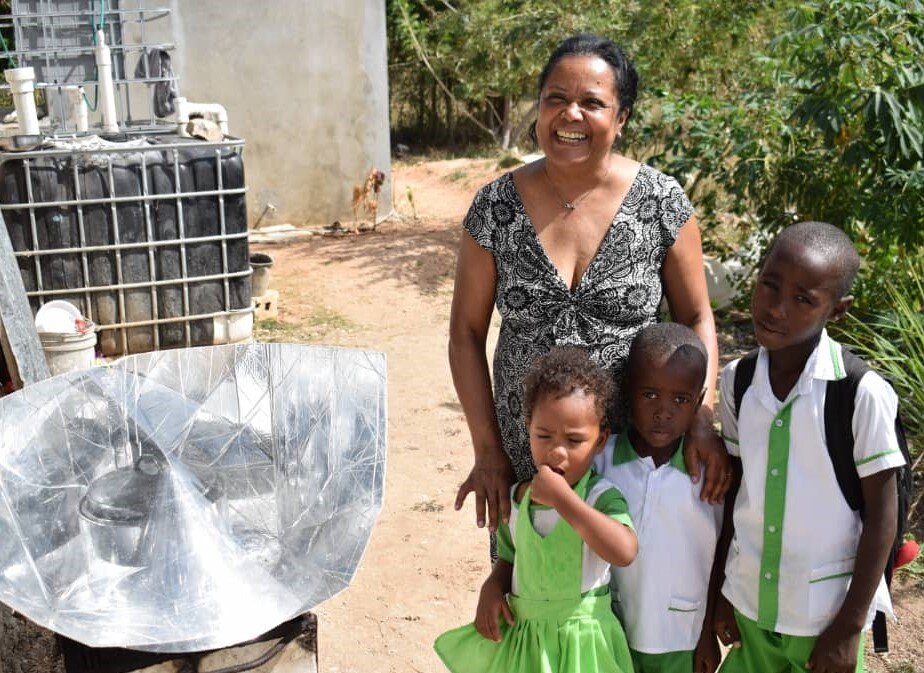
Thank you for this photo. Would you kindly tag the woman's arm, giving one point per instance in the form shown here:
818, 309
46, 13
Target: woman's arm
688, 299
470, 317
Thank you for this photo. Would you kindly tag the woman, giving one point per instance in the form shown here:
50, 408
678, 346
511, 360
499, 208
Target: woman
575, 248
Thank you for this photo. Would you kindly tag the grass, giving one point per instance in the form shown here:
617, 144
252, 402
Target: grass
457, 175
316, 328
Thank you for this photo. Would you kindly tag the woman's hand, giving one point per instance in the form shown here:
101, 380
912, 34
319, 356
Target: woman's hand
703, 446
490, 480
492, 605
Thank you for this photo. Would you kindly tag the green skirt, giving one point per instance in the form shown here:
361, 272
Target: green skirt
567, 636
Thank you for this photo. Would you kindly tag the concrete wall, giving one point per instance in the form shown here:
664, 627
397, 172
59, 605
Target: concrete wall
305, 84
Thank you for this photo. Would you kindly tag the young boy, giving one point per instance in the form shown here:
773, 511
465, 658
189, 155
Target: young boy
661, 598
804, 574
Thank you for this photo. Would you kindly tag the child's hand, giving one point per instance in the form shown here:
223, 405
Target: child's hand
492, 602
706, 655
726, 628
549, 486
835, 651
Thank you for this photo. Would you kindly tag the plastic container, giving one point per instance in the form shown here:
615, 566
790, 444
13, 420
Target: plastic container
261, 263
68, 352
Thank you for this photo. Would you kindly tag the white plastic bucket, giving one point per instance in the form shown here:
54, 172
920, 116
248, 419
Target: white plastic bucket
68, 352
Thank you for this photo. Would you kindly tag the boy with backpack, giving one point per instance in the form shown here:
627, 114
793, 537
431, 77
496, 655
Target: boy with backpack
805, 569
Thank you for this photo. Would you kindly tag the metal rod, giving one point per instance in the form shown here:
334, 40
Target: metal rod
118, 254
108, 247
152, 263
182, 318
83, 245
182, 232
116, 149
120, 199
163, 11
221, 219
32, 223
141, 284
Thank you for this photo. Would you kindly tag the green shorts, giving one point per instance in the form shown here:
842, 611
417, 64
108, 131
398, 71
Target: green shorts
769, 652
668, 662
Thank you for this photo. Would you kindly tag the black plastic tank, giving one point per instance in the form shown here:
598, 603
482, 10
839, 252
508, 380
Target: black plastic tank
149, 242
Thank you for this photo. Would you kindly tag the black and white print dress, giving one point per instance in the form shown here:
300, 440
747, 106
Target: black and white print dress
618, 294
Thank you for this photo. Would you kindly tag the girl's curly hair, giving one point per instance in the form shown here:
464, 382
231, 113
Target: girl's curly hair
562, 371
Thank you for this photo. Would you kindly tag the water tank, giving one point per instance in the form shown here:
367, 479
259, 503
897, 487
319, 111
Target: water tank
147, 237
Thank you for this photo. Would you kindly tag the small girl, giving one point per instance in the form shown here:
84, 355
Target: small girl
546, 604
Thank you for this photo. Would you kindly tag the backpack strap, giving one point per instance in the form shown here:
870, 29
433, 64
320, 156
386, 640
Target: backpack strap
840, 402
744, 374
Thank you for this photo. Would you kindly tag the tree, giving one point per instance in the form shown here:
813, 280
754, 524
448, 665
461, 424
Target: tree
835, 134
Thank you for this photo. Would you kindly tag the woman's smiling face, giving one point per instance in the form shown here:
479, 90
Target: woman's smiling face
579, 111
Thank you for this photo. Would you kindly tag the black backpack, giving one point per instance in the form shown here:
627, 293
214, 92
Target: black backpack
839, 405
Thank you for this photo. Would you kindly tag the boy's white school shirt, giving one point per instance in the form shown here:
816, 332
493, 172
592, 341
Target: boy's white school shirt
792, 557
660, 598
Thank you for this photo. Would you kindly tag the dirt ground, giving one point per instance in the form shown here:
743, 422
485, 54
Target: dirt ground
390, 290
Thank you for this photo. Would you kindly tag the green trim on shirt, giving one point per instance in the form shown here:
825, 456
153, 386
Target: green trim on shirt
677, 458
836, 360
624, 452
768, 593
831, 577
875, 456
729, 439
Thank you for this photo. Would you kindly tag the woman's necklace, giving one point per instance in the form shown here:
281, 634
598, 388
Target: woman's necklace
573, 204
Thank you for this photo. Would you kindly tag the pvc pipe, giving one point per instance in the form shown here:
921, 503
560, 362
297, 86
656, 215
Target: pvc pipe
215, 111
79, 110
106, 88
22, 86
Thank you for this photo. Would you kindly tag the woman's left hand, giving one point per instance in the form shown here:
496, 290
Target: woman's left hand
703, 446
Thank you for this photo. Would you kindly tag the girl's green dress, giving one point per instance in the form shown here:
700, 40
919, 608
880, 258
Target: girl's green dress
556, 629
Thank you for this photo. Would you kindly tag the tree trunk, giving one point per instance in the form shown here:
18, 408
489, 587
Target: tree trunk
506, 124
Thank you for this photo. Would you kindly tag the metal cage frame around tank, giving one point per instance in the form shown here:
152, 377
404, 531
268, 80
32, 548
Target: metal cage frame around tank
62, 47
146, 198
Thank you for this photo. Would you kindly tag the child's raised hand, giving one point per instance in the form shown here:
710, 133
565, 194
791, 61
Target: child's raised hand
726, 628
492, 603
835, 651
548, 486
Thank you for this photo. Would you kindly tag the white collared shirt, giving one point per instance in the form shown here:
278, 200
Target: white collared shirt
661, 597
792, 556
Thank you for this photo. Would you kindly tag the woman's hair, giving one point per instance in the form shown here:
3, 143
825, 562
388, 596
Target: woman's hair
586, 44
562, 371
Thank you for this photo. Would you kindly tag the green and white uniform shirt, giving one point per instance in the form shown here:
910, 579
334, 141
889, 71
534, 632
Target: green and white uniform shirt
792, 556
661, 597
602, 496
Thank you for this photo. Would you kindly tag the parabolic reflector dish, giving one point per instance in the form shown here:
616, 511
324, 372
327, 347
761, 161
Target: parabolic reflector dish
190, 499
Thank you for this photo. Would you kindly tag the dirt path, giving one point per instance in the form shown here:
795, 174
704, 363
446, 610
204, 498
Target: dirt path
390, 291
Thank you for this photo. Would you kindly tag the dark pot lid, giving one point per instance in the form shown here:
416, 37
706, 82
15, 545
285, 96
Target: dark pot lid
124, 496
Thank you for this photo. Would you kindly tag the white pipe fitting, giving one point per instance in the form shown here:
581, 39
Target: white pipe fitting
22, 86
106, 88
214, 111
